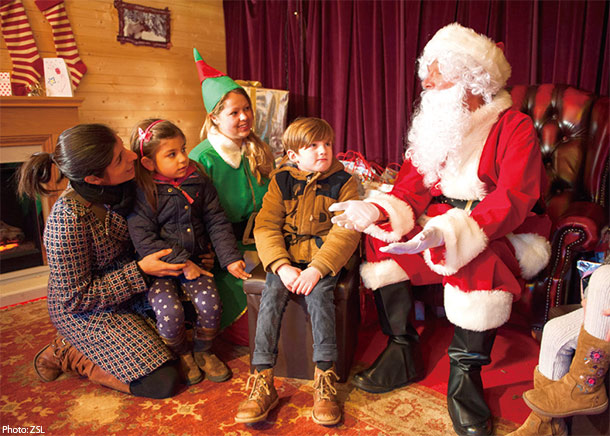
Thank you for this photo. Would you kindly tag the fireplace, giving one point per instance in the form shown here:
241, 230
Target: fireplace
27, 125
21, 225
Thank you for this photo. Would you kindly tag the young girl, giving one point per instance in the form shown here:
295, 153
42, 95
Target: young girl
177, 207
238, 163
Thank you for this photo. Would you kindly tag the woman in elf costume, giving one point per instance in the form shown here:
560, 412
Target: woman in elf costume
239, 164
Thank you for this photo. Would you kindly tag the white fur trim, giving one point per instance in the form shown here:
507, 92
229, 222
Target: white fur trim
226, 148
466, 42
377, 274
400, 215
464, 240
459, 178
532, 251
477, 310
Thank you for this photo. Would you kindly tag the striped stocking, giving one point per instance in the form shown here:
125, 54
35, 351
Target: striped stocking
65, 45
17, 33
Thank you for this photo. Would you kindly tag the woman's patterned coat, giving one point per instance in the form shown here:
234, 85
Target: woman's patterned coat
96, 289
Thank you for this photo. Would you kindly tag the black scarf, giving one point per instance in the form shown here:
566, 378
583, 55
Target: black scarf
120, 198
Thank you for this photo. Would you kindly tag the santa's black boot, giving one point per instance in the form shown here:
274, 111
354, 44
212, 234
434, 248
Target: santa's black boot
401, 362
468, 352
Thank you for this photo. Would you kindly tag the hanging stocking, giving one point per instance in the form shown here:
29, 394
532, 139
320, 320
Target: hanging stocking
65, 45
17, 33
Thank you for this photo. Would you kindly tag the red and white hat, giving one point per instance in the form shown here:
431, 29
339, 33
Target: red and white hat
463, 41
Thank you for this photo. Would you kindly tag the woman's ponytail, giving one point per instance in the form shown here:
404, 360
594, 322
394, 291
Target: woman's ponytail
34, 174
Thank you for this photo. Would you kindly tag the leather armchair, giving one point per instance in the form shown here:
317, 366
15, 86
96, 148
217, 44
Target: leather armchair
574, 133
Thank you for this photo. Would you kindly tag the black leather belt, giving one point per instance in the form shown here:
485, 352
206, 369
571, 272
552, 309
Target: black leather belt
467, 205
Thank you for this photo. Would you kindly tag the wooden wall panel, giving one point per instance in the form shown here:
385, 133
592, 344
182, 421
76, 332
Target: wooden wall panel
126, 83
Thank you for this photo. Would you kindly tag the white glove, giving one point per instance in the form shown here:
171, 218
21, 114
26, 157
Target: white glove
357, 215
427, 238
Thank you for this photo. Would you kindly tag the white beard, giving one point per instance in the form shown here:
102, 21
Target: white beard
437, 131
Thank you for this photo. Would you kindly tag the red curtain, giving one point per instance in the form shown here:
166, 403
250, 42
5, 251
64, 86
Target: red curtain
353, 62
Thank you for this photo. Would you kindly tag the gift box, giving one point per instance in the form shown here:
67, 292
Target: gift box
5, 84
270, 108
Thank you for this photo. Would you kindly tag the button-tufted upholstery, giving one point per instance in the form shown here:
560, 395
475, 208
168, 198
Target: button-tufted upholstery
573, 129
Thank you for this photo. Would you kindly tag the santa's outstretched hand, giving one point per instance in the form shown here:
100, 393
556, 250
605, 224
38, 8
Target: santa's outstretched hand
357, 214
427, 238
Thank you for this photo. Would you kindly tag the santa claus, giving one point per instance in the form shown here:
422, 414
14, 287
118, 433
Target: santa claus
466, 211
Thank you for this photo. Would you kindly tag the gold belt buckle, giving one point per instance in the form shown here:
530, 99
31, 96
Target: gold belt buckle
468, 205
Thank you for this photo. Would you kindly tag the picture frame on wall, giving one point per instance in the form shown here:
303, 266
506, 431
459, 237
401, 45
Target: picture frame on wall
143, 25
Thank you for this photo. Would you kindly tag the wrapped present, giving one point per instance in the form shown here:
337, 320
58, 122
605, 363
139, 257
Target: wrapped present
5, 84
369, 174
270, 110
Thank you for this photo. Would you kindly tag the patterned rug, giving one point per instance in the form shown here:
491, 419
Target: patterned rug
74, 406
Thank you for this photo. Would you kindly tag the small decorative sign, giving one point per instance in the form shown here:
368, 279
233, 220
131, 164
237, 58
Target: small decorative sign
56, 78
5, 84
143, 25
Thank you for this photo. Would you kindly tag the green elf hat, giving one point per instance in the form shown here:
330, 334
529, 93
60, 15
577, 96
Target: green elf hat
214, 84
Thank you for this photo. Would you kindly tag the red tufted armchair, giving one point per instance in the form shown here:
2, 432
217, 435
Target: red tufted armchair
574, 133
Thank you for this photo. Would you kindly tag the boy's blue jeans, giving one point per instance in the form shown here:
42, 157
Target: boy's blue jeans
321, 308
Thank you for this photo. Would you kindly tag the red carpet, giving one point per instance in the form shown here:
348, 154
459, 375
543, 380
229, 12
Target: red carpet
74, 406
514, 357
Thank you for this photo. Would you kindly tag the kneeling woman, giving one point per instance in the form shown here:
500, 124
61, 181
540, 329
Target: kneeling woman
97, 291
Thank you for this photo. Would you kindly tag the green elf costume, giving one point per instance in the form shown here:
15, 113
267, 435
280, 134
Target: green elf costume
240, 194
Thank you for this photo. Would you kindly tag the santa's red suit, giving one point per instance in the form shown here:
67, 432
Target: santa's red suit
489, 249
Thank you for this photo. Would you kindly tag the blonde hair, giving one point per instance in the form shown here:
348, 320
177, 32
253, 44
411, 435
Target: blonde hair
257, 152
304, 131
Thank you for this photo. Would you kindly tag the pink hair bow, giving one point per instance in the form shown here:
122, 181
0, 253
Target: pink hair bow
145, 135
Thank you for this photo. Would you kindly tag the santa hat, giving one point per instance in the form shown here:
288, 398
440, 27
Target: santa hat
214, 84
466, 42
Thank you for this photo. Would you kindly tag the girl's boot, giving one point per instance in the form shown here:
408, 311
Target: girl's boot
581, 391
215, 370
179, 346
539, 425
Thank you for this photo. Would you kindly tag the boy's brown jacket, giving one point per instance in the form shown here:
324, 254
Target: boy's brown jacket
294, 225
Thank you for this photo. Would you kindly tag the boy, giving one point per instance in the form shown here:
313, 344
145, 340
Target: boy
303, 253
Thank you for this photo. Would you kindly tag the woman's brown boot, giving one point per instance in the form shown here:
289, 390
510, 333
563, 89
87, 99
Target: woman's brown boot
215, 370
539, 425
581, 391
261, 400
60, 356
325, 409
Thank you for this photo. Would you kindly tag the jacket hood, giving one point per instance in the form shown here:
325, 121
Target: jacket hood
287, 165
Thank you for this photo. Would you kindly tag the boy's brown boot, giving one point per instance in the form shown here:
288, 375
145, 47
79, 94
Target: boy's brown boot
261, 400
581, 391
325, 410
539, 425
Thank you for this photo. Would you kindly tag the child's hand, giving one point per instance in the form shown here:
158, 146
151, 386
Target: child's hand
192, 271
207, 260
306, 281
288, 274
238, 270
